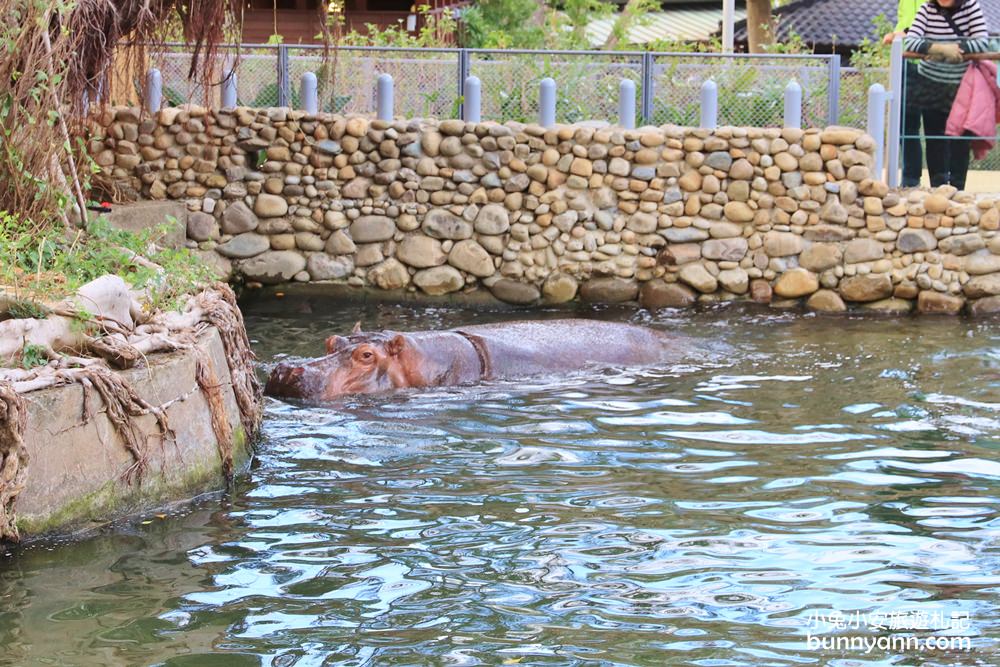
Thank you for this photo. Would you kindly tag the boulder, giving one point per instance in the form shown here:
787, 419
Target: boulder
796, 283
388, 275
244, 246
609, 290
202, 227
472, 258
826, 301
559, 288
324, 267
698, 277
270, 206
442, 224
931, 302
273, 266
865, 288
515, 291
659, 294
421, 252
238, 218
372, 229
492, 219
439, 280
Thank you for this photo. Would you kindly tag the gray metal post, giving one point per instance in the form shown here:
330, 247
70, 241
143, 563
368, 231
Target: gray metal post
833, 92
463, 74
709, 105
626, 104
547, 102
895, 112
647, 87
793, 104
229, 97
308, 93
154, 90
284, 78
383, 97
876, 124
472, 94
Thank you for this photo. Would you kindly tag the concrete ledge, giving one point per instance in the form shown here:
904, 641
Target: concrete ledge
76, 473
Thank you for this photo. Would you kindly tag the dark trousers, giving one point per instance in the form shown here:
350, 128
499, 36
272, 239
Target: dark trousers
929, 103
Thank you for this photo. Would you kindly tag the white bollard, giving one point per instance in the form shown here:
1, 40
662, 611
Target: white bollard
383, 97
876, 124
709, 105
229, 90
308, 93
547, 103
793, 105
154, 90
626, 104
472, 100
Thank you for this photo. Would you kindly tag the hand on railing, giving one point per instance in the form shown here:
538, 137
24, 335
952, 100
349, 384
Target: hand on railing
945, 52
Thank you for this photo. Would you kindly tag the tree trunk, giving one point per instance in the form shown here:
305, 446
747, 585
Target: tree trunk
620, 27
760, 25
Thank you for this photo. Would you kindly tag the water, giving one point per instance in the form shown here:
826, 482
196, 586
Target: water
711, 513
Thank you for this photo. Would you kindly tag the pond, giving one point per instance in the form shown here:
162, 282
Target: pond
795, 479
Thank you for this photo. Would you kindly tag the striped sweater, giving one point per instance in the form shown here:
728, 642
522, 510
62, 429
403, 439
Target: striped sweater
930, 25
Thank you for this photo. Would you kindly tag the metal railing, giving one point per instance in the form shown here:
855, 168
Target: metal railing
429, 82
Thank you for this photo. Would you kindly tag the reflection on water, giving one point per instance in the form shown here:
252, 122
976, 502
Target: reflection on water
707, 513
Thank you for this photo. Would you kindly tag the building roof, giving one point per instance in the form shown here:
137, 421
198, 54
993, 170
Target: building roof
689, 22
843, 23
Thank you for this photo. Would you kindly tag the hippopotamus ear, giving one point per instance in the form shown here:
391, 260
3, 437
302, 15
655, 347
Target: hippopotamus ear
357, 327
396, 345
334, 343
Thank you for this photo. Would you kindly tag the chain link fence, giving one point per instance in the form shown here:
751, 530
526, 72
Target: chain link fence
428, 82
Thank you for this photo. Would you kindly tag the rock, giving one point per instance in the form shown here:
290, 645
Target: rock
725, 230
270, 206
472, 258
963, 244
982, 262
915, 240
868, 287
339, 243
826, 301
760, 291
372, 229
329, 147
439, 280
821, 256
273, 266
828, 233
609, 290
684, 234
238, 218
839, 136
796, 283
514, 291
559, 288
389, 275
421, 252
244, 246
782, 244
982, 286
698, 277
368, 254
642, 223
741, 170
356, 188
202, 227
738, 211
985, 307
729, 250
862, 250
935, 203
678, 254
720, 160
658, 294
734, 280
930, 302
833, 211
441, 224
324, 267
990, 221
492, 219
890, 306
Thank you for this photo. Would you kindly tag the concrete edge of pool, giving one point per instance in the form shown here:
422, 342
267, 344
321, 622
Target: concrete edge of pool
78, 472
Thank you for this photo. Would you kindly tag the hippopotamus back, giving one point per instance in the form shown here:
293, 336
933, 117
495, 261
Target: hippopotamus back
520, 349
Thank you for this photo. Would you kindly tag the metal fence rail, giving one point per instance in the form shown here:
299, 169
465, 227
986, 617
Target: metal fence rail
428, 82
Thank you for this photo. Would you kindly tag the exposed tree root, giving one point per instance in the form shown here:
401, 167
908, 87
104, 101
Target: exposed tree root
74, 356
13, 457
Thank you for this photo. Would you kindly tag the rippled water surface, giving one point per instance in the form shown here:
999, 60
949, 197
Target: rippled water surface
709, 513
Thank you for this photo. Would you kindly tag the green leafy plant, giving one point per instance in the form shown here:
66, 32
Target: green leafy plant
33, 356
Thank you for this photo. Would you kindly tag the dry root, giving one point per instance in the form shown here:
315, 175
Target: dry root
13, 457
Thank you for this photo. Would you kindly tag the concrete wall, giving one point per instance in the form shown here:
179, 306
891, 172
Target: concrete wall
667, 216
76, 474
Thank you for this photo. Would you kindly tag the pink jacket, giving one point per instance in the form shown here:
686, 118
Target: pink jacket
976, 108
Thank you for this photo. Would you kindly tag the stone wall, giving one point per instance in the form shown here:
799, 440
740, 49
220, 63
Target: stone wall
667, 216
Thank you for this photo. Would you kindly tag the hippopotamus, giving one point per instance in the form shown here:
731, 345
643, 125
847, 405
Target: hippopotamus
370, 362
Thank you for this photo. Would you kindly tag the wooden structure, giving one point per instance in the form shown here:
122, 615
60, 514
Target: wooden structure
299, 21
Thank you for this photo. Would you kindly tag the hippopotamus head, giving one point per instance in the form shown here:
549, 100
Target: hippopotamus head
361, 363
